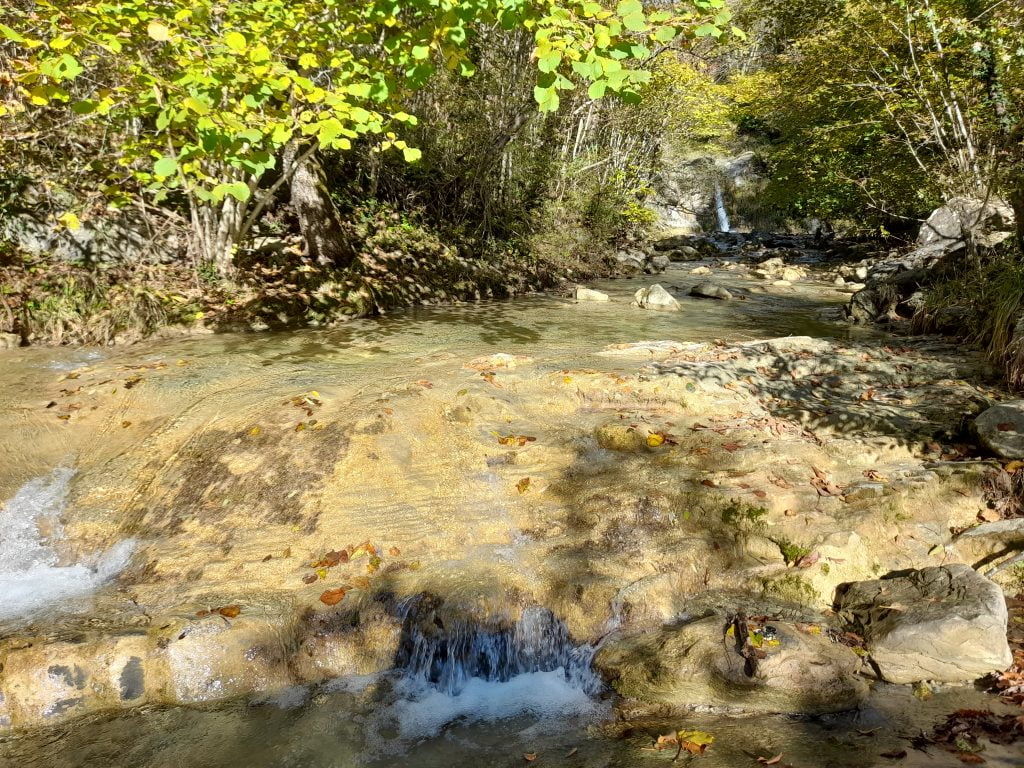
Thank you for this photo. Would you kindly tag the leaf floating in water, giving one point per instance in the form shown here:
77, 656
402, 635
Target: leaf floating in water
654, 439
362, 582
254, 431
770, 760
300, 427
131, 381
125, 424
230, 611
425, 384
896, 754
309, 578
321, 573
1006, 426
394, 552
202, 613
761, 494
332, 596
64, 417
51, 404
573, 751
461, 392
695, 742
732, 447
523, 485
530, 757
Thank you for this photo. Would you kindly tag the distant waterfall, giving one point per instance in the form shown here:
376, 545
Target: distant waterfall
723, 217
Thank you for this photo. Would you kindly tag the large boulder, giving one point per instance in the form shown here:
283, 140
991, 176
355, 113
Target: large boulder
709, 290
964, 218
945, 623
657, 263
1001, 429
9, 340
655, 297
698, 666
589, 294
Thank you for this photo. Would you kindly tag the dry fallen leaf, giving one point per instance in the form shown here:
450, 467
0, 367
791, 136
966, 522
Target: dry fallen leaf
394, 552
770, 760
230, 611
523, 485
530, 757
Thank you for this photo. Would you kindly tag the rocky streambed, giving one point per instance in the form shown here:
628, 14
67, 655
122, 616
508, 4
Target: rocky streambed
550, 527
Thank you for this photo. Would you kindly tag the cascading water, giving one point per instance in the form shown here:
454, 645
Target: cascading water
723, 216
460, 670
31, 578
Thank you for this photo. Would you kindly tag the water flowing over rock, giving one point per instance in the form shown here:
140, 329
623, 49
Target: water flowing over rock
698, 666
655, 297
944, 623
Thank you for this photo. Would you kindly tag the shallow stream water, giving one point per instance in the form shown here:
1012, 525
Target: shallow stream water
59, 561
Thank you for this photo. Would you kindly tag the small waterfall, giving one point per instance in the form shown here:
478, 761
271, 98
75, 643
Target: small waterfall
723, 216
465, 671
449, 655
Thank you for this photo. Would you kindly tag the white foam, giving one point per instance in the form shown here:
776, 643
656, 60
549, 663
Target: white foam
423, 711
31, 580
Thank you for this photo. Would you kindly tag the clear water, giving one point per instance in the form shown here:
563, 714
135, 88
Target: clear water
474, 696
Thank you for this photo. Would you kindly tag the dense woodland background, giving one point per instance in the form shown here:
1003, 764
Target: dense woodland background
255, 164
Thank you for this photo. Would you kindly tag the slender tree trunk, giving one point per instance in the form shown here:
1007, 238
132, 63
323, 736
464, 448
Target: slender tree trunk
319, 220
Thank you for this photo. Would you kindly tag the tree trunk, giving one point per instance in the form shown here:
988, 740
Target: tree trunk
1017, 203
319, 220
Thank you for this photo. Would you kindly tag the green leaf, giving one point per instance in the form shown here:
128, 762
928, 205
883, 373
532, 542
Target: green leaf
635, 22
10, 34
550, 62
158, 31
411, 154
629, 7
165, 166
597, 89
707, 30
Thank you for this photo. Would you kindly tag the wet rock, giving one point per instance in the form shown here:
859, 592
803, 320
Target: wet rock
213, 659
697, 666
1001, 429
700, 271
792, 274
55, 681
709, 290
9, 340
655, 297
620, 437
334, 644
589, 294
647, 350
945, 623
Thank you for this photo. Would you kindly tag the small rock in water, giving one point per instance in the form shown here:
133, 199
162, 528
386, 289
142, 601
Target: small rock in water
709, 290
945, 623
1001, 429
700, 271
655, 297
589, 294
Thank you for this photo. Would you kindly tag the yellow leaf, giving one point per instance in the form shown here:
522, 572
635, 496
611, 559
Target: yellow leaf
158, 31
655, 439
69, 220
321, 572
254, 431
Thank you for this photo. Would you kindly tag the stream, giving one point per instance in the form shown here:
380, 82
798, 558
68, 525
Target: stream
178, 516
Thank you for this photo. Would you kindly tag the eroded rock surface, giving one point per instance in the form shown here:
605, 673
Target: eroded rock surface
698, 666
944, 623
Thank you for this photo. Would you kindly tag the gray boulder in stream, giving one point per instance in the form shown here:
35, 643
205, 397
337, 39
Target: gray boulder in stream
1001, 429
655, 297
696, 666
945, 623
709, 290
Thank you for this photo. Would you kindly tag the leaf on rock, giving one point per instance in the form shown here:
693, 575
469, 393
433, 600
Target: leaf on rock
1006, 426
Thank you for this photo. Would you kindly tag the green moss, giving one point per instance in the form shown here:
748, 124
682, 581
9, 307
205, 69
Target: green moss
791, 551
792, 588
743, 516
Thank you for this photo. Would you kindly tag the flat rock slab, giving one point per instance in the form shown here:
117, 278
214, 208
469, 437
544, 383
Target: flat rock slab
1001, 429
696, 666
945, 623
